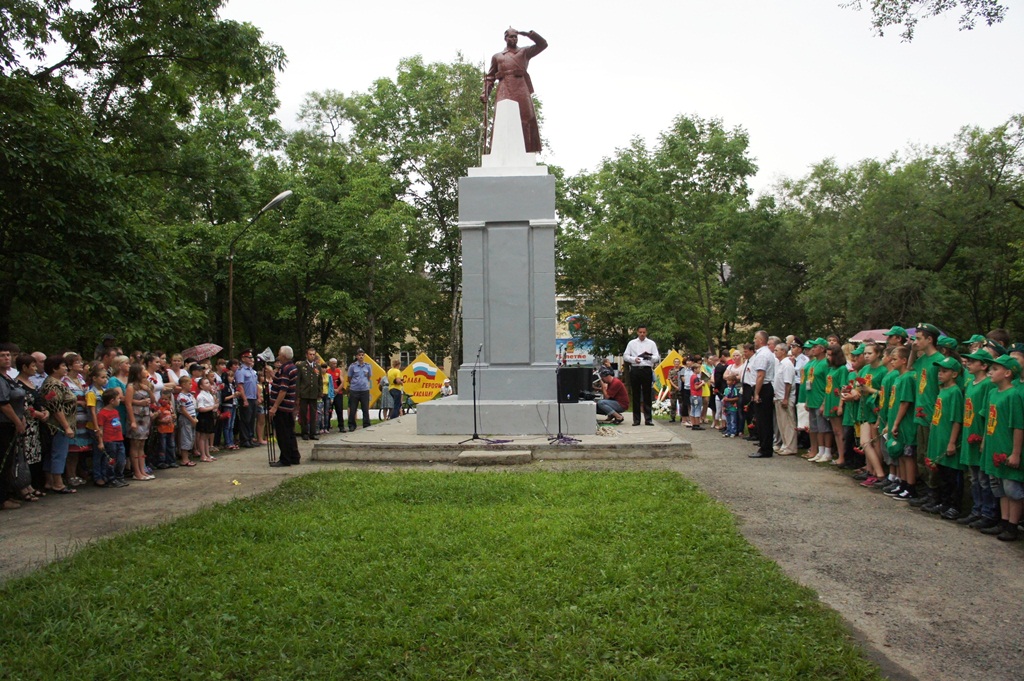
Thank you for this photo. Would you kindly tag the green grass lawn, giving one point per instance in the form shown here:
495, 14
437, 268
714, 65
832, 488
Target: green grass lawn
354, 575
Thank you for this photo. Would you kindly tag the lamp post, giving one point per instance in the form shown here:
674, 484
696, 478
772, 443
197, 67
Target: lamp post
274, 203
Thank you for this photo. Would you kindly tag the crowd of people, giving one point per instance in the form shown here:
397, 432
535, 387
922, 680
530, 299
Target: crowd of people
916, 419
118, 419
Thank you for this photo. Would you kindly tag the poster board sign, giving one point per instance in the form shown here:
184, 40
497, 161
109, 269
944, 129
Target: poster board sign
661, 371
574, 351
422, 379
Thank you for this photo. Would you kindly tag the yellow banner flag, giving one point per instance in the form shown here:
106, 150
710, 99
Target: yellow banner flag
423, 379
661, 371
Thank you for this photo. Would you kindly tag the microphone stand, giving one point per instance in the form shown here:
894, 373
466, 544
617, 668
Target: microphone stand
476, 435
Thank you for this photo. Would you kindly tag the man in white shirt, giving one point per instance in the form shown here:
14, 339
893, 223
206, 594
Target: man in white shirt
641, 356
784, 388
762, 365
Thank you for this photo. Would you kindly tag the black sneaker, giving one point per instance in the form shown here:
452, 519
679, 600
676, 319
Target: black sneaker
936, 508
893, 489
995, 528
922, 500
863, 475
881, 483
906, 495
984, 523
951, 513
968, 519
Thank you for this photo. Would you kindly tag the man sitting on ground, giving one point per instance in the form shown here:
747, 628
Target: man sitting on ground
616, 399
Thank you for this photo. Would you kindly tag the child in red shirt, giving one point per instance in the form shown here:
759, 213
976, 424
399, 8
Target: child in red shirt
110, 439
696, 397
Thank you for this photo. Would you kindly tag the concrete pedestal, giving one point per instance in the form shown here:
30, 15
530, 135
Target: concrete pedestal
507, 222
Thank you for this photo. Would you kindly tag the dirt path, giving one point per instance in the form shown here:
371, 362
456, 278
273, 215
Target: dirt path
920, 592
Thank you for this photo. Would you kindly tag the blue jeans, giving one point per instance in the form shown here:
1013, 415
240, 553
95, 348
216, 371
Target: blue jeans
58, 454
396, 402
115, 451
228, 425
168, 448
101, 468
732, 422
325, 413
608, 407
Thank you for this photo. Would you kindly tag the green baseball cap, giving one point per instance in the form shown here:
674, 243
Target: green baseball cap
1016, 347
995, 346
930, 328
896, 331
976, 338
893, 446
821, 341
859, 350
948, 342
1008, 362
950, 363
980, 355
808, 344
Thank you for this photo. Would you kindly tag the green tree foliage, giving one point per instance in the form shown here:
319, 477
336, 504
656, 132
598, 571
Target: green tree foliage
906, 13
926, 237
646, 238
100, 151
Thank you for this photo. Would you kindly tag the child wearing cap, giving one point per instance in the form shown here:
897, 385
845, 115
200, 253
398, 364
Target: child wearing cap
816, 373
883, 419
901, 433
1001, 446
869, 386
944, 442
984, 507
926, 373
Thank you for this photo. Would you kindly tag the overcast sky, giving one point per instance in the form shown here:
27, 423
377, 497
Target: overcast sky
807, 79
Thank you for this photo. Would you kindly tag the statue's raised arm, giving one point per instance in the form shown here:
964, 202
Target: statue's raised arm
509, 69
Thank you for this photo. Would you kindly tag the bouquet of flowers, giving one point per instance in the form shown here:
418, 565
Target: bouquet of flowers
974, 439
999, 459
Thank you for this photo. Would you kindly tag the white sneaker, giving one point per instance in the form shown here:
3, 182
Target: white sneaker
825, 458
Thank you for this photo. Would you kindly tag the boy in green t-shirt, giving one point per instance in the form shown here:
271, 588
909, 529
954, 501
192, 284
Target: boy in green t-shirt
984, 509
926, 374
1001, 447
883, 418
819, 429
944, 442
901, 425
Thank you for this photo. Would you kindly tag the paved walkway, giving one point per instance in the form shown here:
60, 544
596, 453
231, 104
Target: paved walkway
929, 599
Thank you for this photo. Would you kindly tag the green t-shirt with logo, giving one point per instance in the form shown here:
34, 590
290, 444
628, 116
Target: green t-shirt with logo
1005, 414
975, 406
835, 379
902, 390
883, 397
869, 403
851, 410
817, 372
948, 411
926, 373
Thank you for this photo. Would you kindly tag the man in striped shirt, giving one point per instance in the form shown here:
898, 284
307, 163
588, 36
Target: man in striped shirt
282, 409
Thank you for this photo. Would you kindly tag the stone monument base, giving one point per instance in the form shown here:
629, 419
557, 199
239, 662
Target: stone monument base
454, 416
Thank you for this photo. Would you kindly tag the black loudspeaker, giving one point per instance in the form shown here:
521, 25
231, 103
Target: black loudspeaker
572, 381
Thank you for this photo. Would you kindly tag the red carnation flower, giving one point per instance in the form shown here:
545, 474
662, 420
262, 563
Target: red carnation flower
974, 439
857, 450
929, 463
919, 413
834, 410
835, 391
999, 459
862, 381
875, 410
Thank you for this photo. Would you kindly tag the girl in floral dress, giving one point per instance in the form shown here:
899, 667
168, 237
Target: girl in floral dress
81, 443
139, 397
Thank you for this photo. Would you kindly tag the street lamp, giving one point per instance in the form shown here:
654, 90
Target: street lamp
274, 203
